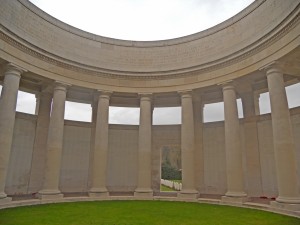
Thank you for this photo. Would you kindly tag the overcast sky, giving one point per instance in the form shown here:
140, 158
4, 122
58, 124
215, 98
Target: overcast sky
142, 19
145, 20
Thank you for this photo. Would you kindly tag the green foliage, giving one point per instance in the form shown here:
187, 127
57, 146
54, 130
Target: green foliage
139, 212
170, 173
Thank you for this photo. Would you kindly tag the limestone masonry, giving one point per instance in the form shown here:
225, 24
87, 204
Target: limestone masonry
238, 160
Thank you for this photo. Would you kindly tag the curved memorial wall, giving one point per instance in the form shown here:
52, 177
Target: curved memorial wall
49, 158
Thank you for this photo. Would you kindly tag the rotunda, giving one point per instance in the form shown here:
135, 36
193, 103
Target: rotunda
49, 158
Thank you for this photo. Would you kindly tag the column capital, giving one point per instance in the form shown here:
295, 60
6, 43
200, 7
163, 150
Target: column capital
228, 85
14, 69
186, 93
271, 67
103, 94
145, 96
58, 85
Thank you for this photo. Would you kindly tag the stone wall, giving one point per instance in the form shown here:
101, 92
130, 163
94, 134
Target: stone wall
21, 154
214, 158
122, 158
258, 164
75, 158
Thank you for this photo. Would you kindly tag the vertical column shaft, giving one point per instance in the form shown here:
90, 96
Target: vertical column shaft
187, 146
283, 140
256, 103
8, 102
99, 164
248, 103
40, 142
55, 144
251, 144
145, 147
199, 157
234, 168
37, 104
94, 106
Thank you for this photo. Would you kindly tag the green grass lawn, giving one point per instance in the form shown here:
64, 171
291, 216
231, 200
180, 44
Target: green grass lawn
165, 188
139, 212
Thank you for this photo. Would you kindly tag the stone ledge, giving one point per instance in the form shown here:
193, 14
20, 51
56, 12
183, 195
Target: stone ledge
234, 200
51, 196
252, 205
285, 206
100, 195
143, 194
209, 200
5, 200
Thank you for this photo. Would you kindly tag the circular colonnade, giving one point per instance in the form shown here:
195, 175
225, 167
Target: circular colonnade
253, 52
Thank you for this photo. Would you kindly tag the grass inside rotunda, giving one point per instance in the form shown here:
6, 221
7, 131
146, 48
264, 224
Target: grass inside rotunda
139, 212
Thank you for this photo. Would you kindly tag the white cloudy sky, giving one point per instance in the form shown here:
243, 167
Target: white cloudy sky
145, 20
142, 19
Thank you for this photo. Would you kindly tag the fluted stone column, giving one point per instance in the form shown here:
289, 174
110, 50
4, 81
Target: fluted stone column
100, 154
234, 168
54, 144
199, 155
187, 147
8, 102
284, 147
253, 166
40, 143
144, 150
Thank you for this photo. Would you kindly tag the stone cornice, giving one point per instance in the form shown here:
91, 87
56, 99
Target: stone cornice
281, 30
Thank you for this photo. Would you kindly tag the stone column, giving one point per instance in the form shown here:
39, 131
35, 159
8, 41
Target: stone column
253, 166
99, 162
199, 157
256, 103
234, 167
37, 104
54, 144
144, 150
40, 142
187, 147
8, 102
284, 147
94, 106
248, 103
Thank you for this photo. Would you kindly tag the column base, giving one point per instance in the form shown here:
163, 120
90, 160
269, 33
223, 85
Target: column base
286, 203
188, 194
288, 200
285, 206
143, 193
50, 194
4, 199
99, 193
235, 197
